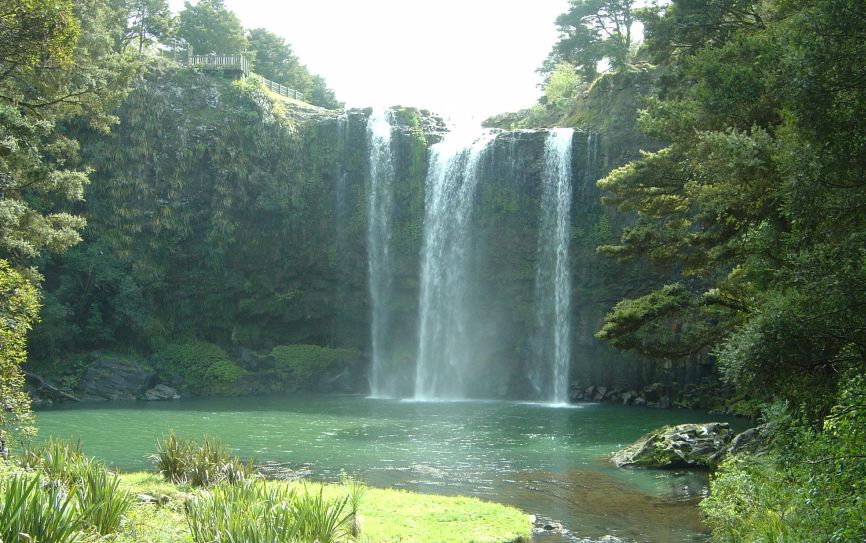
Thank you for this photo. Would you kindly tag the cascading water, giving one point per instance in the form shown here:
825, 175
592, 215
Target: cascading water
549, 373
379, 259
445, 351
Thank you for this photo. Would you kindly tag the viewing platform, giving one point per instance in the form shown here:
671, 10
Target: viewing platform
238, 66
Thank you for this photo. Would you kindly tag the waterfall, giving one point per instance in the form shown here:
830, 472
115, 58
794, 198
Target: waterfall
445, 351
549, 373
379, 258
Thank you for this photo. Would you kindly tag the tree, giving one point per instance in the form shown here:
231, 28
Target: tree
18, 310
593, 31
38, 42
322, 96
755, 206
275, 60
208, 27
59, 65
147, 21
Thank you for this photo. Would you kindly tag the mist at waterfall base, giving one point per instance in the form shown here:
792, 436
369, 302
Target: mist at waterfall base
462, 315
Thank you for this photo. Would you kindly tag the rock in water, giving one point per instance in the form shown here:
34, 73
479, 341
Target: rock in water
160, 393
115, 379
682, 446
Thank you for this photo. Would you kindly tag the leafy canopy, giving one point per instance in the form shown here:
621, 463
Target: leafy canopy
208, 27
756, 202
592, 32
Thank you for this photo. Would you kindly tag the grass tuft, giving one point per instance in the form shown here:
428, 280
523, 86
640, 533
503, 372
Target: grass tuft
207, 464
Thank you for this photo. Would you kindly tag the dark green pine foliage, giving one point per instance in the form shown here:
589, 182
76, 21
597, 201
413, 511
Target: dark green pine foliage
755, 208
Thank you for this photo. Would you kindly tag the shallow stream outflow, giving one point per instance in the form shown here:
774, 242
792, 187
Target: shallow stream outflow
379, 252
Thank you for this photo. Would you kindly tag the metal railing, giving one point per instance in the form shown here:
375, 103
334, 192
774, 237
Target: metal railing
282, 90
240, 62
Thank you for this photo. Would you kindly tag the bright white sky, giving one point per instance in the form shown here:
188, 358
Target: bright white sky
461, 58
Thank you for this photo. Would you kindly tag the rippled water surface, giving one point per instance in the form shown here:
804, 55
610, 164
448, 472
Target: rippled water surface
546, 460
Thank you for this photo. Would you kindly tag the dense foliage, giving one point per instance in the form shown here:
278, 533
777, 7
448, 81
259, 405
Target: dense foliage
18, 309
198, 367
65, 68
61, 496
751, 204
304, 361
209, 463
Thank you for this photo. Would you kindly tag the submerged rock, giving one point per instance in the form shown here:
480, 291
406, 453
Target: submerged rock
681, 446
160, 393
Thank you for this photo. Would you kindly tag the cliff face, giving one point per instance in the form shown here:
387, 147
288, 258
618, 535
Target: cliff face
219, 214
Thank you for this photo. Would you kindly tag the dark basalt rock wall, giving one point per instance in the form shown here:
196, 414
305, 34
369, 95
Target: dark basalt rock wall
215, 214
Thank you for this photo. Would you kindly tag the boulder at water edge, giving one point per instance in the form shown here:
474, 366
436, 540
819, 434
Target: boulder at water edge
161, 393
682, 446
111, 378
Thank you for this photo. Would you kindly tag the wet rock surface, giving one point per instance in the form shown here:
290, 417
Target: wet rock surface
281, 471
681, 446
551, 531
161, 393
111, 378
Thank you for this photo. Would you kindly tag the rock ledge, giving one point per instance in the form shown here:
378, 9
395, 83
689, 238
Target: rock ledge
681, 446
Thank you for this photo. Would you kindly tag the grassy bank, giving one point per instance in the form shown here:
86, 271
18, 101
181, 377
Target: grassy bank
385, 515
201, 493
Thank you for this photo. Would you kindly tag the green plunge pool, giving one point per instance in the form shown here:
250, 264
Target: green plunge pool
546, 460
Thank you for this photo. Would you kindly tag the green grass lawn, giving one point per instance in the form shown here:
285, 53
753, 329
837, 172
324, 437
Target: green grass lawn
386, 516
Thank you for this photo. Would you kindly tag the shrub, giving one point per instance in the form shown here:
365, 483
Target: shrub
258, 512
750, 501
810, 489
47, 514
320, 519
205, 464
58, 460
249, 513
171, 457
101, 500
356, 490
303, 362
19, 308
199, 367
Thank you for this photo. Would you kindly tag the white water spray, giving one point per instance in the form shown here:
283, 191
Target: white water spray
379, 258
445, 354
549, 374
